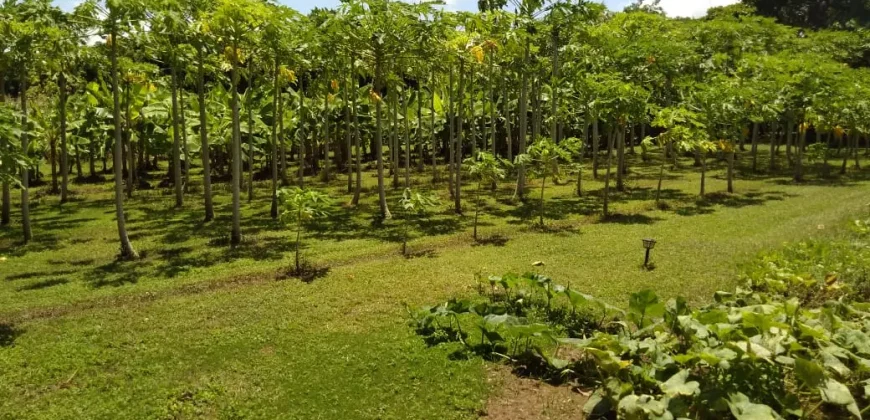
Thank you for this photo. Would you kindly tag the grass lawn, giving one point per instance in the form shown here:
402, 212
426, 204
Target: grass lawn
196, 329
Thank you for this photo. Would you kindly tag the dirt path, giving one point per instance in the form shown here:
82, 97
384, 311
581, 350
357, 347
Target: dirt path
530, 399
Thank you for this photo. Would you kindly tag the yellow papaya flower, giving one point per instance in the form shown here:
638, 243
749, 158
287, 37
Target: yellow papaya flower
375, 97
334, 84
287, 75
477, 52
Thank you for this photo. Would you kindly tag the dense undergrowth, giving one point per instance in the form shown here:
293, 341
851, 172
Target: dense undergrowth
792, 341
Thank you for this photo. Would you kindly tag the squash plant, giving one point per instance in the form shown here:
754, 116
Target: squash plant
792, 341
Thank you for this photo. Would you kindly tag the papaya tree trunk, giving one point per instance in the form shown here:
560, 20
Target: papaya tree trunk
754, 146
127, 251
236, 234
176, 138
457, 197
6, 207
379, 153
25, 172
203, 138
405, 99
607, 175
276, 93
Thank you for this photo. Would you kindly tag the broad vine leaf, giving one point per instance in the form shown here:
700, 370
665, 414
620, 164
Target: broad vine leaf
838, 394
644, 308
634, 407
743, 409
677, 385
809, 372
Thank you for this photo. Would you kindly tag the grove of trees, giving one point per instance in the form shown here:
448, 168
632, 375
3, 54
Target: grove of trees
236, 89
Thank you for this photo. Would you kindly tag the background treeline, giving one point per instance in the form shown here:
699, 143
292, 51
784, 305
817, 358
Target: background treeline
240, 90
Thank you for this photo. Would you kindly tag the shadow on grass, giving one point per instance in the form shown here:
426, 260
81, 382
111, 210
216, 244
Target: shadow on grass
306, 273
494, 240
706, 204
34, 274
8, 334
629, 219
43, 284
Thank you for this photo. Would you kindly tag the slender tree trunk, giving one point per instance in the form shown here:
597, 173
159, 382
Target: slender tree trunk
451, 139
509, 144
799, 164
6, 205
347, 131
730, 158
92, 159
492, 105
52, 157
127, 251
379, 153
301, 133
620, 161
476, 209
773, 146
607, 176
584, 136
789, 126
472, 120
273, 211
419, 133
521, 174
184, 146
79, 173
236, 235
554, 83
356, 141
176, 139
405, 99
595, 145
701, 156
25, 172
541, 214
326, 139
435, 177
855, 148
394, 135
203, 137
282, 140
754, 147
250, 106
128, 136
457, 197
661, 176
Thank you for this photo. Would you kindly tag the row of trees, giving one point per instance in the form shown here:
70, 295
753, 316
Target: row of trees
248, 88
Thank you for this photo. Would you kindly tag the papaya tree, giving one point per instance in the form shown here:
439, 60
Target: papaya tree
299, 207
487, 169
